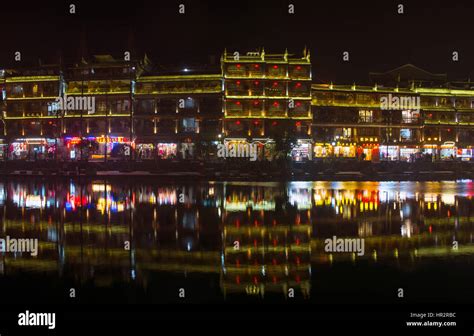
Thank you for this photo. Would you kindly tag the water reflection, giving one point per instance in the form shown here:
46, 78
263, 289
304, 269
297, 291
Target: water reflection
253, 239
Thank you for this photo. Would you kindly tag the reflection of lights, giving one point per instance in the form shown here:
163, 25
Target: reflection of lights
448, 199
301, 198
407, 229
98, 187
35, 201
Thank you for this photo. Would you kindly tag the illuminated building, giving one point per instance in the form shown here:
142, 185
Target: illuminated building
145, 112
350, 121
31, 124
176, 111
266, 95
104, 132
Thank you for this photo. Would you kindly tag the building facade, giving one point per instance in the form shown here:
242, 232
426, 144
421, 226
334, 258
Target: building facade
107, 109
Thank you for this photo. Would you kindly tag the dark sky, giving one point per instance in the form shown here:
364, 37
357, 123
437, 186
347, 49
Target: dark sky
374, 34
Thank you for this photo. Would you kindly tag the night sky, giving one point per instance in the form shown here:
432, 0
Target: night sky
376, 36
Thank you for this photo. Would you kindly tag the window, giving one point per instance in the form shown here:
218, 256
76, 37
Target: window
189, 124
365, 116
406, 134
409, 116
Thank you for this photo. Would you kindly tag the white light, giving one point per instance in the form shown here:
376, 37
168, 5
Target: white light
185, 69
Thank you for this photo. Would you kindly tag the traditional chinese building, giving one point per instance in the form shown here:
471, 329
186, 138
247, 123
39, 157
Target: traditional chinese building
32, 128
268, 96
105, 108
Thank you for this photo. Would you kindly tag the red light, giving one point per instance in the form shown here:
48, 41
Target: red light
238, 82
238, 66
238, 122
275, 104
298, 123
256, 122
256, 82
256, 102
298, 84
257, 66
298, 104
274, 123
275, 67
298, 67
275, 83
237, 103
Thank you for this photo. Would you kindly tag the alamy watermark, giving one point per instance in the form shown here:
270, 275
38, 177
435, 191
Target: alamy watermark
243, 150
13, 245
344, 245
391, 102
37, 319
67, 103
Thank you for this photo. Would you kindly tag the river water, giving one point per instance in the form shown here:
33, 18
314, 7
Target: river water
125, 241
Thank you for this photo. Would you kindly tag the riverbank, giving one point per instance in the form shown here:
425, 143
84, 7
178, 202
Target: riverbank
246, 171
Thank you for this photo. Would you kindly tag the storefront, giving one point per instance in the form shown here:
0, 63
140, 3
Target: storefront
95, 148
167, 150
409, 154
72, 148
3, 150
302, 151
448, 151
368, 152
430, 150
187, 150
345, 150
145, 151
465, 154
323, 150
389, 153
32, 149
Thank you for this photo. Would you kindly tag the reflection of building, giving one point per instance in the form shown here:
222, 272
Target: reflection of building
193, 229
262, 252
